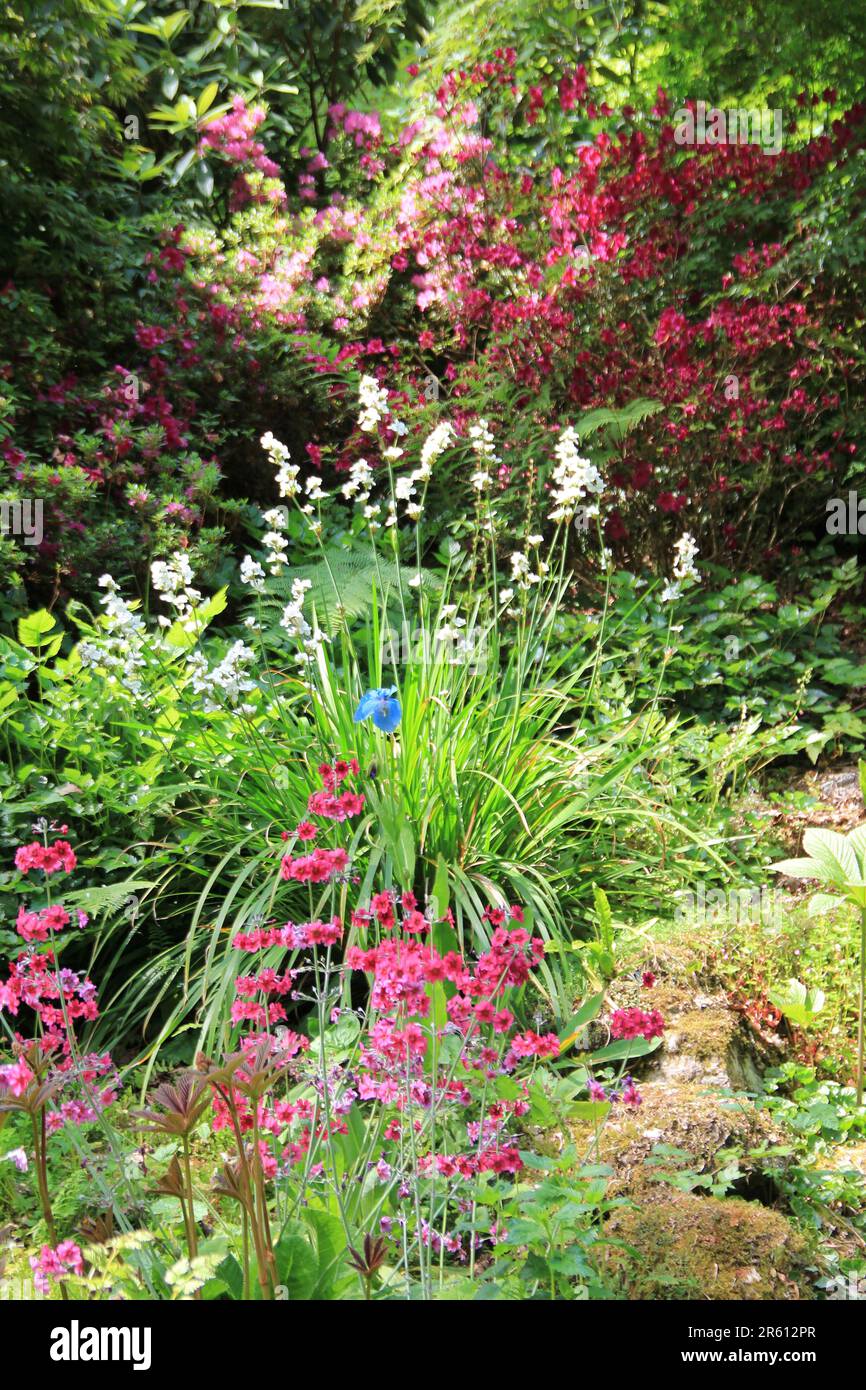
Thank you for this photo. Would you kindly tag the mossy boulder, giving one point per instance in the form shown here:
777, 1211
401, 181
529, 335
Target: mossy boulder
691, 1117
682, 1246
704, 1040
709, 1042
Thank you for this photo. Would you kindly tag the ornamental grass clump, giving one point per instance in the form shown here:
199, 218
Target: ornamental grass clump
496, 765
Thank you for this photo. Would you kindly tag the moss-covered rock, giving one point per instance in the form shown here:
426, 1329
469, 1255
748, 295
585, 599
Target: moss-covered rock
679, 1246
709, 1043
682, 1115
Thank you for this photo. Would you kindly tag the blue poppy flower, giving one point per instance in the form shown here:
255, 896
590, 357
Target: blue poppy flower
381, 706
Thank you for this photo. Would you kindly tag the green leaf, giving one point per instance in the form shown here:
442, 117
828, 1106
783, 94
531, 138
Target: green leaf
799, 1004
204, 179
230, 1272
297, 1265
182, 165
330, 1245
820, 903
441, 888
833, 851
588, 1010
604, 916
33, 628
593, 1111
179, 636
206, 98
857, 841
106, 897
802, 868
173, 23
618, 421
624, 1049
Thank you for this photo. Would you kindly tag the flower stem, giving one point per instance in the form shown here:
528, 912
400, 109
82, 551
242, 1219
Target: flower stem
862, 1005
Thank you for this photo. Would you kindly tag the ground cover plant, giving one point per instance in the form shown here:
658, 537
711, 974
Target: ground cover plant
430, 654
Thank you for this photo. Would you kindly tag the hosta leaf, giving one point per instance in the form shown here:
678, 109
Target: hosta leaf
803, 868
820, 903
833, 851
857, 840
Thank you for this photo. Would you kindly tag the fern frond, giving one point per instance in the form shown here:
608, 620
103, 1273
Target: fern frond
618, 421
342, 586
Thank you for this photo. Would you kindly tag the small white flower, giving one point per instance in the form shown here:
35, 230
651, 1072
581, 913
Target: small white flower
287, 473
435, 444
574, 477
685, 551
374, 402
360, 481
252, 574
314, 490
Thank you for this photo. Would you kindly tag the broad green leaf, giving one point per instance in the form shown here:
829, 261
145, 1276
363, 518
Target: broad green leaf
33, 628
857, 840
820, 903
330, 1242
593, 1111
232, 1276
833, 851
204, 179
799, 1004
803, 868
297, 1264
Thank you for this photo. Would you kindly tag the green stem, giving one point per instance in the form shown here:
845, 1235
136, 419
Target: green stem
862, 1005
188, 1209
42, 1175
